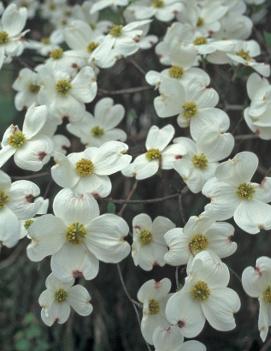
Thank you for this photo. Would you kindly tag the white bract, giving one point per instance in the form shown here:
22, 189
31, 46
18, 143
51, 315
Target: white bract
58, 299
31, 148
257, 283
233, 194
102, 4
88, 171
77, 237
204, 296
199, 234
149, 246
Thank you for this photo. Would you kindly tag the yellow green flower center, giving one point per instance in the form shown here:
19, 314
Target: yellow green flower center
76, 232
245, 191
190, 109
28, 223
200, 41
3, 199
45, 40
145, 237
267, 295
153, 154
84, 167
92, 46
61, 295
63, 86
97, 132
200, 161
158, 3
153, 306
198, 243
200, 291
33, 88
4, 38
17, 139
176, 72
116, 30
244, 54
56, 54
200, 22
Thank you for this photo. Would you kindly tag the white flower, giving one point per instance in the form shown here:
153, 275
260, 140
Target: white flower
200, 161
12, 23
158, 154
27, 86
31, 6
88, 171
45, 45
17, 202
100, 128
153, 295
257, 283
149, 246
199, 234
31, 149
102, 4
163, 10
58, 299
64, 95
77, 237
204, 296
233, 194
170, 338
61, 144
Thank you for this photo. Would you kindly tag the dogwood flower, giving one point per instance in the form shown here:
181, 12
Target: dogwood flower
77, 237
102, 4
100, 128
257, 283
163, 10
18, 201
88, 171
204, 296
200, 233
233, 194
58, 299
30, 148
154, 296
171, 338
11, 25
157, 154
149, 247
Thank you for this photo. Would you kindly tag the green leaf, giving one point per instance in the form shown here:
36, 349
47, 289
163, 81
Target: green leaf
267, 38
111, 207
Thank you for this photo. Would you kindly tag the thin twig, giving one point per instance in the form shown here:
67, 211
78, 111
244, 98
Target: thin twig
31, 176
12, 258
234, 107
235, 274
147, 201
125, 288
124, 91
131, 193
138, 67
180, 202
246, 137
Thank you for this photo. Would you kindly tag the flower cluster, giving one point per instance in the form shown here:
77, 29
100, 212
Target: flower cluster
79, 138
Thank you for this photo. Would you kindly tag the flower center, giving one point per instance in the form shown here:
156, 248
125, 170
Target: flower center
200, 22
45, 40
200, 161
3, 199
17, 139
154, 307
33, 88
92, 46
245, 191
61, 295
145, 237
56, 54
63, 86
116, 30
4, 38
200, 41
189, 109
158, 3
244, 54
97, 132
267, 295
200, 291
84, 167
153, 154
28, 223
75, 233
176, 72
198, 243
